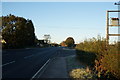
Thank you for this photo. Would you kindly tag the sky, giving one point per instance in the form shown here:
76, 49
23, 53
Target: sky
80, 20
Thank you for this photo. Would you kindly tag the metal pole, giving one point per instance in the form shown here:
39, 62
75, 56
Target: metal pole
118, 24
107, 28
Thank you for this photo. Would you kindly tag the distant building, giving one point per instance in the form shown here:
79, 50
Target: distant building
41, 43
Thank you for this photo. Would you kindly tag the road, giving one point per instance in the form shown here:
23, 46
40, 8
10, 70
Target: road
24, 63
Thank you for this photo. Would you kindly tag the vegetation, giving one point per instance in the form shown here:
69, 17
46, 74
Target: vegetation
102, 58
82, 74
17, 32
63, 44
70, 42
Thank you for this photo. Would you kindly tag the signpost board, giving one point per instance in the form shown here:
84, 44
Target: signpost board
114, 23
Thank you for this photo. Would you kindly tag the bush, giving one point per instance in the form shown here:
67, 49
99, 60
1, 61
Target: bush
97, 46
108, 65
86, 57
81, 74
104, 59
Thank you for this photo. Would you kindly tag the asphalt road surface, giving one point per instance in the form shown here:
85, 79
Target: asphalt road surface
24, 63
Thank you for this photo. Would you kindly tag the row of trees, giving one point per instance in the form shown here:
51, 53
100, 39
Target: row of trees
17, 32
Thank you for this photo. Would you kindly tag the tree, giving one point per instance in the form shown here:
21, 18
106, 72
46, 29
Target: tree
17, 31
70, 42
63, 44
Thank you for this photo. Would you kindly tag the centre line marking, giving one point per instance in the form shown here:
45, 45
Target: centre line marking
28, 56
7, 63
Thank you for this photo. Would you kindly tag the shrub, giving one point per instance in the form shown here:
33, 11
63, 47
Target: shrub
105, 60
108, 65
86, 57
97, 46
81, 74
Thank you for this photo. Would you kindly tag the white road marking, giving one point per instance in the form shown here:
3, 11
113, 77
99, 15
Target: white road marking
28, 56
40, 69
7, 63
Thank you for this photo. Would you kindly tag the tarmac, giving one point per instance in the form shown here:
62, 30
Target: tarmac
56, 68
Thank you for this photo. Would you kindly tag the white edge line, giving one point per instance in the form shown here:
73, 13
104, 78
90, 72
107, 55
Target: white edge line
40, 69
7, 63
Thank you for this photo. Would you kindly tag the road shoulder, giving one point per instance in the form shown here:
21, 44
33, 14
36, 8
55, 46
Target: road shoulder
55, 69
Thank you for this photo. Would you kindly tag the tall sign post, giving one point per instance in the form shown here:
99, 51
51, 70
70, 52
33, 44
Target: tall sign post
111, 22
